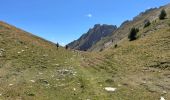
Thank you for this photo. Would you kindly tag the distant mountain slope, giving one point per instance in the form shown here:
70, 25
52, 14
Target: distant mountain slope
87, 40
139, 69
124, 29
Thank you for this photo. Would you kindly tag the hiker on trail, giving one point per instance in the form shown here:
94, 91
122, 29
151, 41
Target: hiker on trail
57, 45
66, 47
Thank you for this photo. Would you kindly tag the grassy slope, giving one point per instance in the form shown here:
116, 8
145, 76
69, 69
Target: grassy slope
33, 69
139, 69
124, 29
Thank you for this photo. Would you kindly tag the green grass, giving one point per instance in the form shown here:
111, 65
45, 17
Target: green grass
139, 69
34, 69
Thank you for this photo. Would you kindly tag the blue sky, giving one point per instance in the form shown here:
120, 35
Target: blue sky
66, 20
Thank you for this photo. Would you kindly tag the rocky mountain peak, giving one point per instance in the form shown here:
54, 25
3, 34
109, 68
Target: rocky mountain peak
93, 35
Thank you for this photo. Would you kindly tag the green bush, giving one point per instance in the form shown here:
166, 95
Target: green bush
147, 23
133, 34
168, 24
115, 45
162, 14
101, 50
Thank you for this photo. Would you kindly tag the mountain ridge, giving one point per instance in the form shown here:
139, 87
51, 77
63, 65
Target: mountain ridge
122, 31
93, 35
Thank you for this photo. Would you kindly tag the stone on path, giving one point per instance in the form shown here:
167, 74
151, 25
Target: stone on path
110, 89
33, 81
162, 98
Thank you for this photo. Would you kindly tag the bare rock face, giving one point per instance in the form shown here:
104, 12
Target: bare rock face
94, 35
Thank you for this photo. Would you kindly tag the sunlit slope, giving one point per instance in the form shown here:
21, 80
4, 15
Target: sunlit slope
122, 32
32, 68
139, 69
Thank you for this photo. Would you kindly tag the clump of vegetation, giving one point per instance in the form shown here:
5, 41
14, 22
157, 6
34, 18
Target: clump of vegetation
161, 65
133, 34
116, 45
162, 14
101, 50
147, 23
29, 93
168, 24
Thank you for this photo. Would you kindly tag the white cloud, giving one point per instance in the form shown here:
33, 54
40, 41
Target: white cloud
89, 15
148, 7
62, 44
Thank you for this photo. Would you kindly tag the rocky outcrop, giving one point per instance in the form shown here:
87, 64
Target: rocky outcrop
95, 34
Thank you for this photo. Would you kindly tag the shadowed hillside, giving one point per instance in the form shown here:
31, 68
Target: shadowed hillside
87, 40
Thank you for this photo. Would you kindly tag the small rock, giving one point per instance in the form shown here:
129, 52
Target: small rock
119, 85
45, 82
2, 49
74, 89
57, 65
19, 52
26, 47
78, 83
45, 55
32, 81
74, 74
144, 82
110, 89
52, 75
162, 98
65, 62
10, 84
40, 73
164, 92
